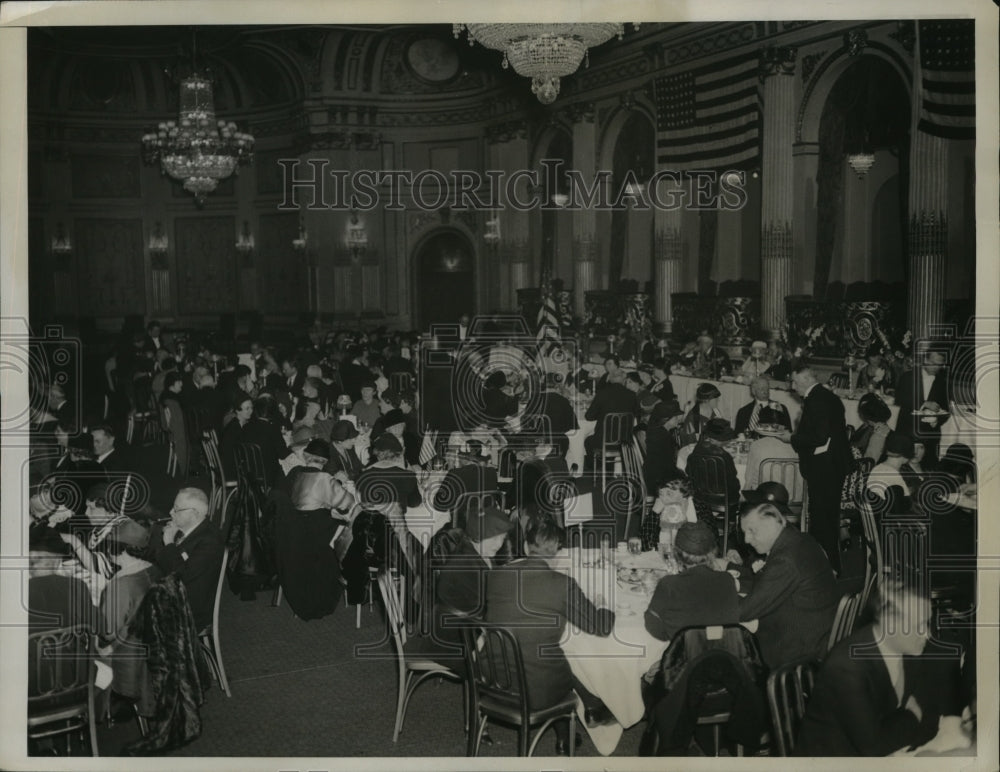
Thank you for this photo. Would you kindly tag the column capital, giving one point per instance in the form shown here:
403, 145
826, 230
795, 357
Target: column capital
506, 132
668, 244
582, 112
585, 248
777, 60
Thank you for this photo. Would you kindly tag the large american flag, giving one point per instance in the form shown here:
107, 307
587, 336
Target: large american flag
709, 117
547, 322
946, 78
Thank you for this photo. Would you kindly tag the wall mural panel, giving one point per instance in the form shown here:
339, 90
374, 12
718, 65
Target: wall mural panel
206, 264
109, 256
280, 268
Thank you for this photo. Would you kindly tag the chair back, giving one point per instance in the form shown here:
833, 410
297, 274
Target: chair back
218, 591
250, 470
400, 382
691, 642
507, 464
61, 662
846, 617
538, 426
786, 471
788, 691
875, 563
213, 459
478, 502
495, 666
617, 428
389, 588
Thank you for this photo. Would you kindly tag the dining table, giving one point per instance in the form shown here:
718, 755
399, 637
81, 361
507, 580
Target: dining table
612, 667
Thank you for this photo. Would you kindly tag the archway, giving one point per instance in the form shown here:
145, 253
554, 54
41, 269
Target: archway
445, 286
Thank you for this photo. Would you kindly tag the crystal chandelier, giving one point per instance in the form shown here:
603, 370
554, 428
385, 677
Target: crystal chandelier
543, 52
861, 163
196, 148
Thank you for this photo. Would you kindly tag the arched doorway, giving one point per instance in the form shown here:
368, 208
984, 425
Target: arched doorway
445, 278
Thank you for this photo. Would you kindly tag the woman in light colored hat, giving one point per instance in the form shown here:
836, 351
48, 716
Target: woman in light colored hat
757, 363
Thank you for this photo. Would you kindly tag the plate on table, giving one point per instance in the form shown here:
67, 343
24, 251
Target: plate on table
770, 429
633, 576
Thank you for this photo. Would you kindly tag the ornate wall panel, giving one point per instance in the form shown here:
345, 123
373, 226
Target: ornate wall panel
371, 287
343, 289
109, 258
206, 264
105, 176
281, 269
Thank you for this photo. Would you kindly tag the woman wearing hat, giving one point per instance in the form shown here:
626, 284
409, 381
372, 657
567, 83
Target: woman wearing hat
344, 463
698, 595
869, 439
705, 409
660, 386
660, 463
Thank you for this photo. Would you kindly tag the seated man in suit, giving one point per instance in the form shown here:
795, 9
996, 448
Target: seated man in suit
110, 458
615, 397
794, 595
762, 410
888, 687
192, 547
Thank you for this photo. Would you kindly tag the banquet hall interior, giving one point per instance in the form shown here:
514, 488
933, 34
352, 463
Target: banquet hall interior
337, 325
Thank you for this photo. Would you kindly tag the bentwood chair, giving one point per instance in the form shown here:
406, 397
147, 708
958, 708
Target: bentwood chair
222, 488
711, 491
848, 610
412, 671
211, 644
61, 686
499, 686
616, 432
786, 471
788, 690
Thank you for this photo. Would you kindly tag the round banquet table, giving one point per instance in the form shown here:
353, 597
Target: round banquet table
612, 668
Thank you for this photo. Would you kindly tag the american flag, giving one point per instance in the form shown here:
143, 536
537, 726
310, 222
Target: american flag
547, 323
946, 78
709, 117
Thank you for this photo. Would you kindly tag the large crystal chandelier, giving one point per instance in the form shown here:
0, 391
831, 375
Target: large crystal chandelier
197, 149
543, 52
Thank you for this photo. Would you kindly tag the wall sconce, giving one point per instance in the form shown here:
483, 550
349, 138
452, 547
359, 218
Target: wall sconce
299, 244
61, 244
158, 242
492, 234
356, 239
244, 242
560, 199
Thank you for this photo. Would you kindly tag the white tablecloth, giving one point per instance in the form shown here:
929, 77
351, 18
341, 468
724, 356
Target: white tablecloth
612, 668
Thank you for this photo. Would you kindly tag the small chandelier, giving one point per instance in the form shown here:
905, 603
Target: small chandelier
158, 242
543, 52
198, 149
61, 245
492, 234
356, 239
244, 243
861, 163
299, 244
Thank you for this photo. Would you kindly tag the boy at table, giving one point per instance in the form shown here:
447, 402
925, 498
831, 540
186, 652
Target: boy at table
536, 603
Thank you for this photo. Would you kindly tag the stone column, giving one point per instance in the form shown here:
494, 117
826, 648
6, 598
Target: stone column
668, 250
586, 250
928, 237
511, 154
777, 69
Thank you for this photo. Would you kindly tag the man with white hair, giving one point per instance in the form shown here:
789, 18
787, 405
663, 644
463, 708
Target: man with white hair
756, 364
192, 547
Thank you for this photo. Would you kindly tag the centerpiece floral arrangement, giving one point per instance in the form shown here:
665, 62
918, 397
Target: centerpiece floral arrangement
800, 343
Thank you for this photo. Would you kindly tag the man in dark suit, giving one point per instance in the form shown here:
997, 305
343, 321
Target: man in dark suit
537, 603
794, 596
761, 410
192, 547
824, 457
614, 397
294, 374
924, 388
886, 687
111, 460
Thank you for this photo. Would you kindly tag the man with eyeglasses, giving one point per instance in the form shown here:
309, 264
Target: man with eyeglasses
192, 547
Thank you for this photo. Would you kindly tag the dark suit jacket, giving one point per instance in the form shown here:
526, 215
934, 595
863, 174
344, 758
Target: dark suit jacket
767, 415
196, 560
560, 413
910, 396
352, 376
613, 398
695, 466
471, 478
660, 463
498, 407
854, 710
351, 465
267, 435
794, 596
115, 464
694, 598
822, 419
663, 391
537, 602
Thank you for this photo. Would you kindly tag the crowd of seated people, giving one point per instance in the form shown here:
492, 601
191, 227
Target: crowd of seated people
347, 456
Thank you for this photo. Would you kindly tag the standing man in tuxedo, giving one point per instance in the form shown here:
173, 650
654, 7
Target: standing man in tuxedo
824, 457
761, 410
924, 388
